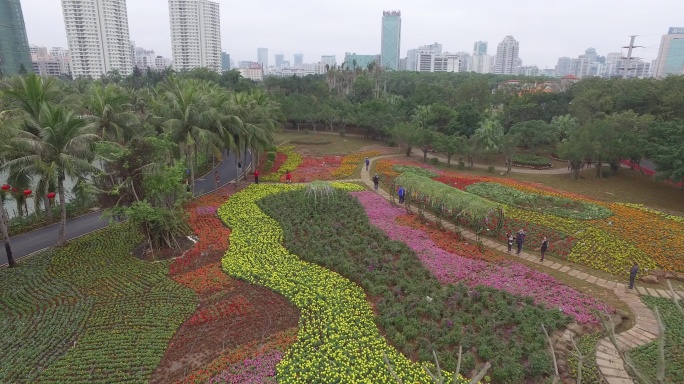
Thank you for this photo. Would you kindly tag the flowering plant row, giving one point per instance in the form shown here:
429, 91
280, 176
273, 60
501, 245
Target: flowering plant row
418, 314
452, 268
316, 168
231, 308
338, 340
291, 163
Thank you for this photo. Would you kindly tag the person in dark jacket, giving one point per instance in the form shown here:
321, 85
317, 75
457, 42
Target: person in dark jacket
509, 240
367, 161
544, 247
519, 240
376, 181
632, 275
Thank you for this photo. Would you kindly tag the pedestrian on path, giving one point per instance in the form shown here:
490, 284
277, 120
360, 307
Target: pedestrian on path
401, 193
288, 177
256, 176
519, 240
510, 238
632, 275
367, 163
544, 247
216, 180
376, 182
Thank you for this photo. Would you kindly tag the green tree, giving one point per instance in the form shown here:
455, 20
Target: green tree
563, 125
450, 145
666, 150
109, 107
488, 136
534, 133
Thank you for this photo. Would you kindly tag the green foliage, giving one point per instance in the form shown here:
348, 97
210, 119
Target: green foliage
434, 161
645, 356
554, 205
587, 346
413, 169
530, 159
338, 236
534, 133
490, 169
666, 149
88, 312
452, 201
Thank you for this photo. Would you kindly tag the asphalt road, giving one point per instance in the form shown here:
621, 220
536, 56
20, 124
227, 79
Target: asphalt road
34, 241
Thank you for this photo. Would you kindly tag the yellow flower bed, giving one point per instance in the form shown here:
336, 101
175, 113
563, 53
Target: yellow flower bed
291, 163
351, 162
338, 341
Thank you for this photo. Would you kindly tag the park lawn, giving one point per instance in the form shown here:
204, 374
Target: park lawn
338, 145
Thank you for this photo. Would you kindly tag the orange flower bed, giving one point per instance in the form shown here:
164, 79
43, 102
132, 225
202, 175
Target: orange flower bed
448, 240
280, 341
209, 278
351, 162
232, 307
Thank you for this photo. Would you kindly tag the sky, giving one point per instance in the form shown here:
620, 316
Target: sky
545, 29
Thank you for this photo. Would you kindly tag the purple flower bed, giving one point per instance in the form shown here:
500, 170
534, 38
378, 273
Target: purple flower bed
508, 276
256, 370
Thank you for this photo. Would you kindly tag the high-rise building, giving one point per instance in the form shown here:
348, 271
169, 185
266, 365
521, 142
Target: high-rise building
57, 62
480, 48
162, 63
143, 58
353, 61
298, 60
329, 60
14, 47
262, 57
411, 60
97, 32
225, 61
670, 59
195, 34
506, 56
253, 72
391, 40
279, 60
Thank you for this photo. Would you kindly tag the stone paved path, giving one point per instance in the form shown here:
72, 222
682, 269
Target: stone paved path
644, 331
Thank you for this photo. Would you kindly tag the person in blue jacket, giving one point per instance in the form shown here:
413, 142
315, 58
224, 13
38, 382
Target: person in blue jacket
401, 192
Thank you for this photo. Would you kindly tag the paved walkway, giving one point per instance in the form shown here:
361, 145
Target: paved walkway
42, 238
645, 329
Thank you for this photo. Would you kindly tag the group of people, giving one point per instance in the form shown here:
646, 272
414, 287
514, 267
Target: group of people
519, 239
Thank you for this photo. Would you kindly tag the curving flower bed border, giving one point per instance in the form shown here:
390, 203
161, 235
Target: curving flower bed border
338, 340
291, 163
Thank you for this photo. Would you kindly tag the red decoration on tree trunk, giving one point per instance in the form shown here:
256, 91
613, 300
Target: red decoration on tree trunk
6, 187
51, 195
27, 192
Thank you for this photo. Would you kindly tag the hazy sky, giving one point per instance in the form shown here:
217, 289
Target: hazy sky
545, 29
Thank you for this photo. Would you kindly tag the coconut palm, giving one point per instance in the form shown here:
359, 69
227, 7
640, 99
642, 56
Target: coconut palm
108, 106
61, 148
26, 96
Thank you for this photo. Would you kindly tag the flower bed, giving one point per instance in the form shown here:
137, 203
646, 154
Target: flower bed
417, 313
291, 162
554, 205
338, 339
315, 168
351, 162
452, 268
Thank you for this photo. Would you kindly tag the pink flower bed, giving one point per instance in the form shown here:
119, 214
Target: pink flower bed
450, 268
255, 370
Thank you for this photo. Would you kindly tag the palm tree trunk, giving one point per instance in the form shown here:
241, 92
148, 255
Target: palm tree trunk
61, 240
48, 208
4, 221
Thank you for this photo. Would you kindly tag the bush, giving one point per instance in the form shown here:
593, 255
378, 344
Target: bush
434, 161
306, 131
271, 156
461, 165
532, 160
342, 132
311, 140
392, 143
490, 169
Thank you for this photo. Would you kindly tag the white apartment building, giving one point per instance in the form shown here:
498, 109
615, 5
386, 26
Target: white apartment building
429, 60
482, 63
195, 34
506, 56
161, 63
55, 63
98, 37
329, 60
143, 58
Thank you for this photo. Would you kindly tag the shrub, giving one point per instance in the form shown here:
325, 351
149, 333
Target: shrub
461, 165
342, 132
532, 160
306, 131
434, 161
310, 140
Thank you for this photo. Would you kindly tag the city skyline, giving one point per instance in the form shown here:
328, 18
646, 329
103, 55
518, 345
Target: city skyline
565, 33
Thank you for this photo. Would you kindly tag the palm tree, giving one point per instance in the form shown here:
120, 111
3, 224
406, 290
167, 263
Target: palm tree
189, 119
61, 148
108, 106
27, 94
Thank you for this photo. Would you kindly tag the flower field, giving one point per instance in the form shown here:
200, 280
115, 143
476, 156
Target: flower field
417, 313
292, 160
88, 312
316, 168
604, 236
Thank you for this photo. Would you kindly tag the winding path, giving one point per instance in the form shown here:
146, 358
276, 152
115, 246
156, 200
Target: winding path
45, 237
644, 331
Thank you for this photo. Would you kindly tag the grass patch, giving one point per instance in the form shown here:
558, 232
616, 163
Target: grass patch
646, 356
337, 145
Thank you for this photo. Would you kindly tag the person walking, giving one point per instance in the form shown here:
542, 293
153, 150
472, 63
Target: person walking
632, 275
216, 180
256, 176
544, 247
367, 163
376, 182
519, 240
288, 177
509, 239
401, 192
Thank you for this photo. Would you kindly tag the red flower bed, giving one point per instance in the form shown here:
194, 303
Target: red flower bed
315, 168
231, 307
207, 279
277, 163
457, 182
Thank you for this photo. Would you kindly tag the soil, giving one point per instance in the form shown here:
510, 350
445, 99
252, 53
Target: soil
143, 252
195, 345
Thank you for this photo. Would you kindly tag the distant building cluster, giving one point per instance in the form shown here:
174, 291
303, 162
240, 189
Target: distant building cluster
98, 38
